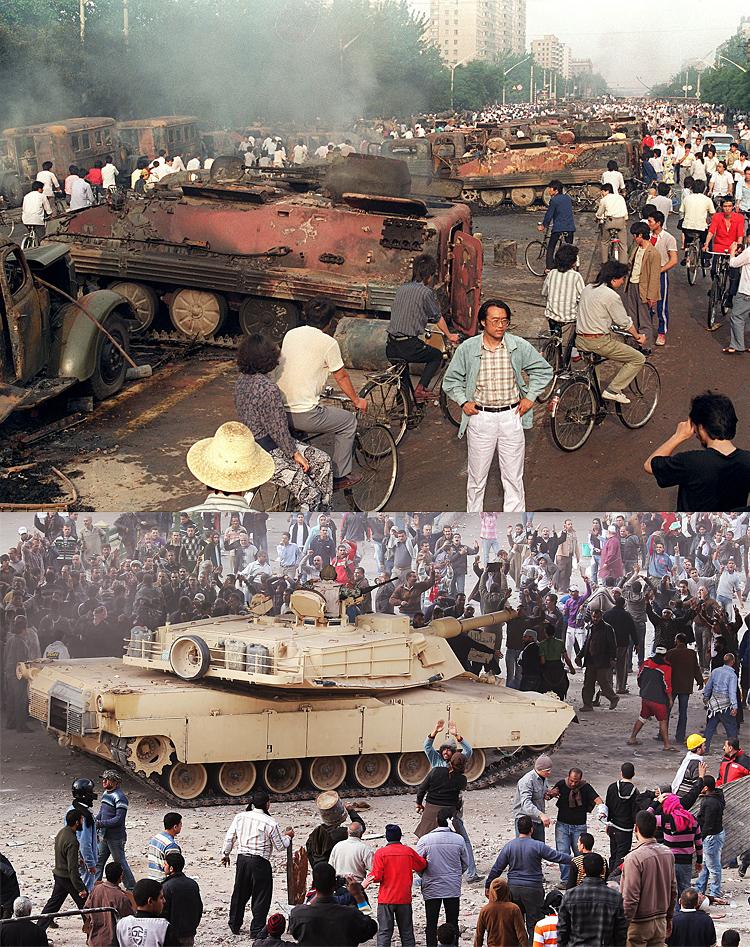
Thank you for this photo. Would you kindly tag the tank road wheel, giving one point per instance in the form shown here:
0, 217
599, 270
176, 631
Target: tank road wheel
109, 365
476, 765
151, 754
492, 198
372, 770
270, 317
189, 657
545, 196
411, 768
326, 772
197, 314
538, 747
471, 195
144, 301
236, 779
522, 196
282, 776
187, 780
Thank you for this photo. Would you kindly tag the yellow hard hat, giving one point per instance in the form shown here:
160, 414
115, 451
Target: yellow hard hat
694, 741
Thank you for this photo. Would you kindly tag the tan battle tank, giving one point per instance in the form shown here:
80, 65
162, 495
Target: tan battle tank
203, 711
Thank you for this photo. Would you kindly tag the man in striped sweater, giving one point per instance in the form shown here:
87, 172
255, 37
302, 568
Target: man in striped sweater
682, 835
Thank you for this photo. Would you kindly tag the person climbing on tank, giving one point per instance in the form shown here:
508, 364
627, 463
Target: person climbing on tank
328, 588
83, 800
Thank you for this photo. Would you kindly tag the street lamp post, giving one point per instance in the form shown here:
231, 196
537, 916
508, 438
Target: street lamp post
453, 69
519, 63
727, 59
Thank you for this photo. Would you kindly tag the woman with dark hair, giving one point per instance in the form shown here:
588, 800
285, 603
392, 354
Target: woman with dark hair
303, 470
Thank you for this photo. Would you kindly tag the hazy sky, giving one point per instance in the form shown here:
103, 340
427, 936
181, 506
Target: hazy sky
643, 39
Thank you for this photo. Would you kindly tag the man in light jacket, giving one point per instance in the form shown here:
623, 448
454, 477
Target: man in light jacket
531, 795
496, 377
445, 852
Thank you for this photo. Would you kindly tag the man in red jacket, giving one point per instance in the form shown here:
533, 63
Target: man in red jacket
393, 866
734, 765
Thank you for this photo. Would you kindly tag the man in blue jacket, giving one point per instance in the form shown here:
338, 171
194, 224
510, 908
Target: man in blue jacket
110, 823
495, 377
560, 215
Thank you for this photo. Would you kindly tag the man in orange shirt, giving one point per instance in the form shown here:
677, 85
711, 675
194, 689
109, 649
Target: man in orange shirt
727, 229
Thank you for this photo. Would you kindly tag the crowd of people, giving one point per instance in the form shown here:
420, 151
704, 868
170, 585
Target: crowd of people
654, 601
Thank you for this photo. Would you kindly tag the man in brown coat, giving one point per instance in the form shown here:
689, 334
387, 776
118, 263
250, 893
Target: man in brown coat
500, 919
685, 669
643, 287
648, 887
407, 596
101, 930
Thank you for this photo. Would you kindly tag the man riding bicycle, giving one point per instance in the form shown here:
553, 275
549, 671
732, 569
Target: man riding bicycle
727, 228
600, 309
696, 210
36, 207
414, 306
612, 213
309, 354
560, 215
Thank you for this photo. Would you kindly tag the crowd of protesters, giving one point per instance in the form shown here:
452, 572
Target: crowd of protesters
652, 602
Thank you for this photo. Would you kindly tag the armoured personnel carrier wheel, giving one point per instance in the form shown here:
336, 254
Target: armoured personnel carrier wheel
282, 776
197, 314
187, 780
270, 317
326, 772
189, 657
236, 779
470, 195
151, 754
144, 301
492, 198
544, 196
522, 196
411, 768
537, 747
372, 770
476, 766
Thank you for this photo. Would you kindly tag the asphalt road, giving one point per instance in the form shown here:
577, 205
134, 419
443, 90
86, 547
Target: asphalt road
130, 452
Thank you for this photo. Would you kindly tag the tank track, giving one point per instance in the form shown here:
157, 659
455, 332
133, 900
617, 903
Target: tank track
166, 337
494, 774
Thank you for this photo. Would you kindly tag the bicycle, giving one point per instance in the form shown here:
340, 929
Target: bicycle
551, 349
637, 196
390, 392
535, 254
694, 258
717, 294
375, 460
7, 221
30, 241
578, 404
615, 244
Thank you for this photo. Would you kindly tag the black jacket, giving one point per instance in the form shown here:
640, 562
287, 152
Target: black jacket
321, 840
9, 889
184, 907
442, 787
711, 813
692, 929
329, 923
622, 622
622, 804
22, 933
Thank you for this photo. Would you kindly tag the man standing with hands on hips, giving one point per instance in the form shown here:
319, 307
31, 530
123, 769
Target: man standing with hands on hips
496, 377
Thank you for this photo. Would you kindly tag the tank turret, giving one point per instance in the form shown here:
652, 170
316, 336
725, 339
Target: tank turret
308, 650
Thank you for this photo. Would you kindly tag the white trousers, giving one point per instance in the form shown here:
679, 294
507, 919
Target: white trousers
486, 433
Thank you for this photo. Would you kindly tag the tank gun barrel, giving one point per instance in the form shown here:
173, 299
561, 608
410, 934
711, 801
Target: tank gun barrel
452, 627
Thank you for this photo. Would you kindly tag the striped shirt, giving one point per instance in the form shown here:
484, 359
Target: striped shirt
682, 845
545, 931
255, 833
414, 305
562, 291
158, 849
496, 383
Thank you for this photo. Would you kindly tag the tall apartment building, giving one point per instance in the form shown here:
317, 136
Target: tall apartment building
463, 30
550, 53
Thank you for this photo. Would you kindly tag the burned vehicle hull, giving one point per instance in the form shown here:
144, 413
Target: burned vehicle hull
260, 249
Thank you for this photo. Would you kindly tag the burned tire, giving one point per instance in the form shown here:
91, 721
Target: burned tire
12, 190
198, 314
109, 365
144, 301
271, 317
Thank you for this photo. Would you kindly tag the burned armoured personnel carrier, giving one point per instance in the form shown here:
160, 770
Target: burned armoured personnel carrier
257, 246
301, 703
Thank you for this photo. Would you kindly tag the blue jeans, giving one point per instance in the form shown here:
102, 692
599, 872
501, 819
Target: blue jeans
512, 668
712, 724
682, 709
595, 559
115, 848
460, 828
487, 546
711, 871
566, 840
683, 876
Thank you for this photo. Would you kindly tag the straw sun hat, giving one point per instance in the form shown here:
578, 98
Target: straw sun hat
230, 461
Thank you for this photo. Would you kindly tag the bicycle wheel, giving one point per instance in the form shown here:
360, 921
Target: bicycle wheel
376, 461
535, 257
29, 242
715, 308
643, 391
273, 498
574, 416
387, 405
635, 199
692, 264
451, 409
552, 352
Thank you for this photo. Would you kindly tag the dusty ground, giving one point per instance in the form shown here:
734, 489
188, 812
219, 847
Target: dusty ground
130, 452
37, 773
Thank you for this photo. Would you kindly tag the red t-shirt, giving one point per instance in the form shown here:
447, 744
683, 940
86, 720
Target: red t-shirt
392, 866
725, 236
94, 177
648, 141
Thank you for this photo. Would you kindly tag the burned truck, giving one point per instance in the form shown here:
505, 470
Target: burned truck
254, 250
493, 169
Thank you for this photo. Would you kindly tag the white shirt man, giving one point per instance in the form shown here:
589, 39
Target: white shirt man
321, 152
177, 163
81, 194
35, 206
612, 205
697, 210
299, 154
617, 181
194, 164
109, 175
351, 856
207, 164
50, 182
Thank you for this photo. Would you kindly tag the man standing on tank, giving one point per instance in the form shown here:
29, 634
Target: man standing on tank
256, 836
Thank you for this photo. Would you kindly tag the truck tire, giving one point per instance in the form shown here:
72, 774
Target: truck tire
196, 313
144, 301
109, 365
